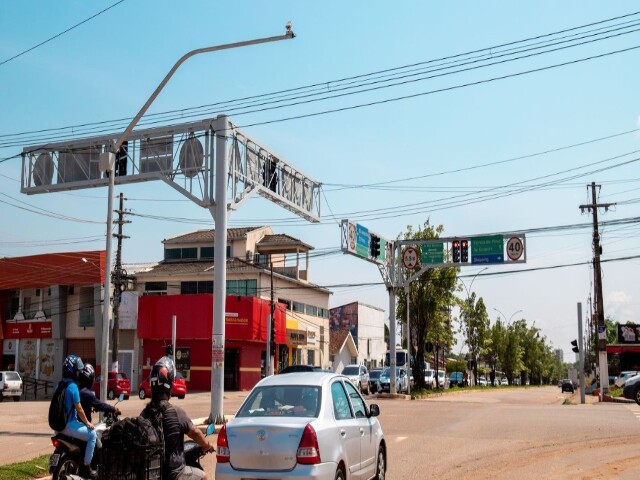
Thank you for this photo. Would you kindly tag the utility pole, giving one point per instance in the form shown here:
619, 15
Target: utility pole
597, 280
120, 284
271, 347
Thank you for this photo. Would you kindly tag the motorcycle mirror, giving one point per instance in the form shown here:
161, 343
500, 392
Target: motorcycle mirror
211, 429
121, 397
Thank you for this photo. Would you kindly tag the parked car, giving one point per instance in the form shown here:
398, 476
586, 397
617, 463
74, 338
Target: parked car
631, 389
359, 376
179, 388
117, 383
10, 385
402, 384
443, 380
374, 376
567, 386
430, 378
504, 381
301, 368
303, 425
624, 376
455, 379
482, 381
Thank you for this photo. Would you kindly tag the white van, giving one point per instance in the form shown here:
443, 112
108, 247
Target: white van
10, 385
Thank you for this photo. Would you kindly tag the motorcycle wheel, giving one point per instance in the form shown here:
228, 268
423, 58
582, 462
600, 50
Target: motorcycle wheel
70, 465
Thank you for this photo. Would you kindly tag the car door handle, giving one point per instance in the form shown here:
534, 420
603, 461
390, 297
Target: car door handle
343, 433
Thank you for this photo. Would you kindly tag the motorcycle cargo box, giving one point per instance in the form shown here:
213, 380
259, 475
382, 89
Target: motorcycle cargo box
131, 461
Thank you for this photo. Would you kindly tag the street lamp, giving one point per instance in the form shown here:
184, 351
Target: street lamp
472, 280
107, 163
505, 317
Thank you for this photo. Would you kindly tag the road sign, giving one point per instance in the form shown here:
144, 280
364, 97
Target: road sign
487, 249
515, 248
432, 253
410, 258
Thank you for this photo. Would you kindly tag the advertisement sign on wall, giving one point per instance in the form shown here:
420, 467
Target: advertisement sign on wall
629, 333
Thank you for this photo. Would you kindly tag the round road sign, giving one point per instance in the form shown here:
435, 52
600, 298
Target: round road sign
410, 258
515, 248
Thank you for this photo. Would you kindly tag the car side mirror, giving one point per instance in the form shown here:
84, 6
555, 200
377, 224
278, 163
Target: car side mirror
374, 410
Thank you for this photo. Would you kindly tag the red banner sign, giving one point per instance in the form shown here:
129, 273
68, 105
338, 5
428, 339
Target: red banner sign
27, 330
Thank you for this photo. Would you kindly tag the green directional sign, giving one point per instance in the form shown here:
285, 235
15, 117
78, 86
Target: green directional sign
432, 253
487, 249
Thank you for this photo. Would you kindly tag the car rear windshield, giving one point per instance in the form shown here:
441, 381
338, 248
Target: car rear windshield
282, 401
11, 376
352, 370
375, 373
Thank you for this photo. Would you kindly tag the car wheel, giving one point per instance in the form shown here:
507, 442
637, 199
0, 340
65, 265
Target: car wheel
111, 394
381, 467
1, 398
16, 398
181, 397
636, 395
339, 474
142, 394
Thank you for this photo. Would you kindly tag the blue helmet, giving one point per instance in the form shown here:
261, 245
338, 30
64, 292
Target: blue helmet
71, 366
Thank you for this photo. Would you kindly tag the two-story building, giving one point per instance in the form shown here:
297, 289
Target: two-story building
262, 267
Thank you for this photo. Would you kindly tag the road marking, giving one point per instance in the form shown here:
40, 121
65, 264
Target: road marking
399, 439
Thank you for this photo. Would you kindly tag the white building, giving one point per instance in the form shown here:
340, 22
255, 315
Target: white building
366, 325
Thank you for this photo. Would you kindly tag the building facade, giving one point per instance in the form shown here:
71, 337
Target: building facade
273, 268
366, 325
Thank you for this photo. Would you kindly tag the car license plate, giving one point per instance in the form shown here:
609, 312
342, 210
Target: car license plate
54, 459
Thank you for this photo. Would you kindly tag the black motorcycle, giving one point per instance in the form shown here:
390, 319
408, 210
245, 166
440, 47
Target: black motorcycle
193, 452
68, 454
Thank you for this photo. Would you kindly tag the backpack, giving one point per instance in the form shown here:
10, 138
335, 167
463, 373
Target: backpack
58, 414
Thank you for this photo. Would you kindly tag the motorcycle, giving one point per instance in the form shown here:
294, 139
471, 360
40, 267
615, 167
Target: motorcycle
193, 452
68, 454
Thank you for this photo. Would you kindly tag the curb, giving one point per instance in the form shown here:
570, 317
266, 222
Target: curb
399, 396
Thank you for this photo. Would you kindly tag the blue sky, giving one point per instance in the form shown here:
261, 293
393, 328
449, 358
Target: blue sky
486, 134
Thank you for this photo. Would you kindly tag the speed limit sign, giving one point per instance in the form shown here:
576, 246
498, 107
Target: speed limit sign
410, 258
515, 248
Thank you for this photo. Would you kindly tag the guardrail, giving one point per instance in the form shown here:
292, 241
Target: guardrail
33, 389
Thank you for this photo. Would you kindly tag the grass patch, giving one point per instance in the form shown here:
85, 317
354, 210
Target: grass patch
567, 401
38, 467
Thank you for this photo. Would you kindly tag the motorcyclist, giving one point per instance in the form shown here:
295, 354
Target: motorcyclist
78, 425
88, 398
175, 424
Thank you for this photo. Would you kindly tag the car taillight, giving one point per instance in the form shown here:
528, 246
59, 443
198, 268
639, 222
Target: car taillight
308, 449
5, 387
222, 453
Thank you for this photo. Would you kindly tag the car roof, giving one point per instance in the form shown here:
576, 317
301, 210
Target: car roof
299, 378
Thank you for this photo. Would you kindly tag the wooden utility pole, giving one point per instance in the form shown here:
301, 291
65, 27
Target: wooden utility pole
597, 283
120, 282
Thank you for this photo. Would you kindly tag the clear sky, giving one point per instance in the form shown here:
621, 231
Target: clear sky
478, 150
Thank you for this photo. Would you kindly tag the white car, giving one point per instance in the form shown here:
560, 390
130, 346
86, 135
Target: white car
482, 381
10, 385
624, 376
430, 378
302, 425
359, 376
384, 382
443, 380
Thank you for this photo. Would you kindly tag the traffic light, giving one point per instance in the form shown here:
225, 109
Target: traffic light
455, 251
464, 250
374, 246
575, 346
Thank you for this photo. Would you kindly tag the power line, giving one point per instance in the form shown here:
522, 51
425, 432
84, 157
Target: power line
60, 34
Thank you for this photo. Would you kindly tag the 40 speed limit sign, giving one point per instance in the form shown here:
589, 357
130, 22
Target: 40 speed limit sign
515, 248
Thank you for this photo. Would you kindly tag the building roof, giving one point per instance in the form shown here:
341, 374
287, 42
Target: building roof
337, 340
281, 240
208, 235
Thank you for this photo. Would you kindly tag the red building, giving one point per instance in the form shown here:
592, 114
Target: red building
245, 336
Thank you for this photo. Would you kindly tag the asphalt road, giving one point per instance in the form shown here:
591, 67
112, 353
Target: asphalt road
494, 434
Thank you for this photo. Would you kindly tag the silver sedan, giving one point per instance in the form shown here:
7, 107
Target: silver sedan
303, 425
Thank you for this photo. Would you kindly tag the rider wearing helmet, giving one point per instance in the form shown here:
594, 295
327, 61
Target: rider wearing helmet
175, 424
88, 398
78, 425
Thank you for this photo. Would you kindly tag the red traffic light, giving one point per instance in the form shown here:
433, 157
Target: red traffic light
464, 244
456, 244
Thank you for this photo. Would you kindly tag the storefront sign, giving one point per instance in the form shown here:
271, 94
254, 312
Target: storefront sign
296, 337
237, 320
311, 337
27, 330
628, 333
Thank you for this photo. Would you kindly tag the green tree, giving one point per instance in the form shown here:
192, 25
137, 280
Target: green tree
431, 298
475, 326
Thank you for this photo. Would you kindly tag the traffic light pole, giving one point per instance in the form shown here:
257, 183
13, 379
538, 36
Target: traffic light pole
581, 354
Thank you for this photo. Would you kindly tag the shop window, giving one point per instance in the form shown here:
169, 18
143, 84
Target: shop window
298, 307
311, 310
206, 253
296, 356
311, 357
196, 287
